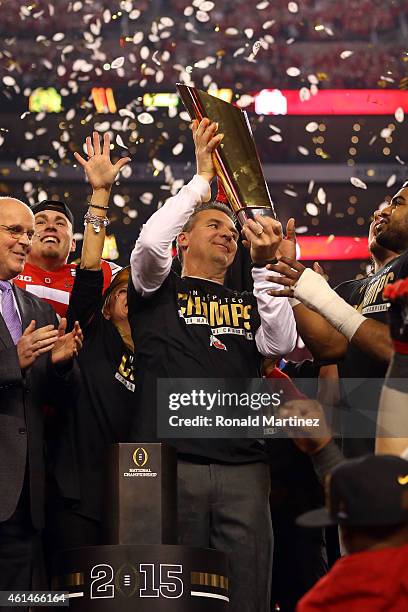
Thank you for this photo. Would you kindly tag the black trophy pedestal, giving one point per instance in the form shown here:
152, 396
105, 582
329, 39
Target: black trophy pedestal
139, 569
143, 579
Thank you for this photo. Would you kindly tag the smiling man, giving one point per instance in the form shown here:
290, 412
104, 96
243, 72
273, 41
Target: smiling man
47, 273
349, 324
32, 346
192, 326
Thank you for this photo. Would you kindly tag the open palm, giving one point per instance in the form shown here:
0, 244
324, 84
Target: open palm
99, 169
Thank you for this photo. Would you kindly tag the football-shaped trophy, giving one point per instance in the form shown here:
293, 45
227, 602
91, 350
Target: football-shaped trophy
236, 159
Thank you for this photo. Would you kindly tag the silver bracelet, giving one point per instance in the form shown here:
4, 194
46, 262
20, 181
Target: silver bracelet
96, 222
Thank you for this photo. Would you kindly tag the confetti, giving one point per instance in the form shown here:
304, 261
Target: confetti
321, 195
391, 180
356, 182
293, 71
303, 150
146, 198
399, 114
293, 7
312, 209
118, 62
290, 193
276, 138
145, 118
9, 81
385, 133
120, 142
312, 126
345, 54
178, 148
119, 200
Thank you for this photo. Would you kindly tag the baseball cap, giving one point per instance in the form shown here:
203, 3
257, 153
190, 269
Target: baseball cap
368, 491
54, 205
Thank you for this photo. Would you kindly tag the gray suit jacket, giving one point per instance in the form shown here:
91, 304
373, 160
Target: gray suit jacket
22, 398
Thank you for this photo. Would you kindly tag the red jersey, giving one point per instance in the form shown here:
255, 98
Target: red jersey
55, 287
370, 581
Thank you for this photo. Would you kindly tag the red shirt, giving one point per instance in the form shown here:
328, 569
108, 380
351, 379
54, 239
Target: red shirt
55, 287
371, 581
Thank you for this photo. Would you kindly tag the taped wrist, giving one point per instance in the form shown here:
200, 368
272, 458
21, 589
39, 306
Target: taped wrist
314, 292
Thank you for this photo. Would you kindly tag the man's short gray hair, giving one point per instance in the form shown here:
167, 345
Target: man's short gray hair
188, 226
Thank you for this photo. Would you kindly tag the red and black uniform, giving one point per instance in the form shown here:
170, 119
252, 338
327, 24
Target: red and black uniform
56, 287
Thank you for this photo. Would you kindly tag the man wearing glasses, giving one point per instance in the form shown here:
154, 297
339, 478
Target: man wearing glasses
35, 363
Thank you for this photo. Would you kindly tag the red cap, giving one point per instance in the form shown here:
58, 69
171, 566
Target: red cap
221, 195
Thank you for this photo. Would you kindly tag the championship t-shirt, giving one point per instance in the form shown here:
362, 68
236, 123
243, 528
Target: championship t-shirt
55, 287
193, 328
366, 295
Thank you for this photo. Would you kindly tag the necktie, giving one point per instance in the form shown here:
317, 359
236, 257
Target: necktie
9, 311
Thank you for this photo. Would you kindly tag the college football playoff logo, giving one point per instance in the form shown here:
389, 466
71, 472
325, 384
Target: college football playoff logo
140, 457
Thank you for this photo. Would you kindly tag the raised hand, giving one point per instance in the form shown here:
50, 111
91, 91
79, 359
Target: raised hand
34, 342
262, 237
99, 169
67, 345
205, 140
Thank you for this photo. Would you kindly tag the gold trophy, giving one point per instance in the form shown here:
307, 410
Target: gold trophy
236, 159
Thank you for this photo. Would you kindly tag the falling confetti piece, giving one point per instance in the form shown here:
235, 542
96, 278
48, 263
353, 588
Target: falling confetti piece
302, 229
276, 138
321, 195
58, 37
132, 213
391, 180
9, 81
157, 164
118, 62
145, 118
293, 71
291, 193
385, 133
303, 150
356, 182
146, 197
293, 7
312, 126
124, 112
372, 140
262, 5
312, 209
399, 160
346, 54
202, 16
177, 149
310, 186
304, 94
399, 114
275, 128
245, 101
119, 200
120, 142
207, 6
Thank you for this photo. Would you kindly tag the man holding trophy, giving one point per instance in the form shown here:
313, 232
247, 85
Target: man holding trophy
223, 484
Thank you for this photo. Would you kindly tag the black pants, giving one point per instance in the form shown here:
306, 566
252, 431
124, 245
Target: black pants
19, 547
226, 507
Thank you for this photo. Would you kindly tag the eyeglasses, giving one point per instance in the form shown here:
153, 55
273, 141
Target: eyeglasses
16, 232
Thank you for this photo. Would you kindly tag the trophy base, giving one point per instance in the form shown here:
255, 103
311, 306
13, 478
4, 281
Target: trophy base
250, 212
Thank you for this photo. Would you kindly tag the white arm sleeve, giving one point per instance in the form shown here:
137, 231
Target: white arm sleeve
276, 335
150, 260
